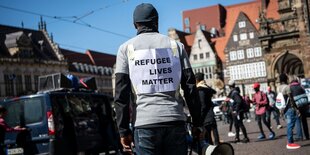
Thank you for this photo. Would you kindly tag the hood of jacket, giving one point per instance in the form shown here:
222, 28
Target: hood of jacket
202, 84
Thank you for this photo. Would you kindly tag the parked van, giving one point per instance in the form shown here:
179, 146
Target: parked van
61, 121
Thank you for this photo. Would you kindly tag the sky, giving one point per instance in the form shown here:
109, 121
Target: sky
99, 25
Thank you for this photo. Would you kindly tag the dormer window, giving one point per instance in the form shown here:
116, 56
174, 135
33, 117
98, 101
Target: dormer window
186, 22
203, 27
242, 24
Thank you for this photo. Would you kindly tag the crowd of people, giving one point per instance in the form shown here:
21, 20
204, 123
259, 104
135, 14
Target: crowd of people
264, 105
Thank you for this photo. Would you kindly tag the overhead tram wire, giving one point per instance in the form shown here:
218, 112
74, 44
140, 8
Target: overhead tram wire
66, 20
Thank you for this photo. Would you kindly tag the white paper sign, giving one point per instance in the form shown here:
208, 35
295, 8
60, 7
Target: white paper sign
155, 70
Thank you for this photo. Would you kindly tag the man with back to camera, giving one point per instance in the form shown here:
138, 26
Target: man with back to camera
290, 111
153, 67
236, 101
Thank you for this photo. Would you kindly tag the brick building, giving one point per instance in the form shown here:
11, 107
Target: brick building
26, 54
256, 40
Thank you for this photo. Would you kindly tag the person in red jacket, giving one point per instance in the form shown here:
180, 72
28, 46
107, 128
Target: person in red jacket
5, 128
261, 104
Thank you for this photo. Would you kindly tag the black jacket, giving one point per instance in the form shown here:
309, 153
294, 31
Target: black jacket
205, 95
238, 102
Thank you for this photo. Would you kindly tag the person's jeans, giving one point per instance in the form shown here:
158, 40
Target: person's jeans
161, 140
299, 134
259, 123
291, 118
276, 115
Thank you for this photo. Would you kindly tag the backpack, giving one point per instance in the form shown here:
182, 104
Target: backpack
280, 100
246, 104
299, 95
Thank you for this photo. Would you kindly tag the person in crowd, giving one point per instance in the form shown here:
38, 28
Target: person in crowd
205, 93
299, 95
272, 108
261, 105
248, 103
290, 111
226, 109
5, 128
153, 67
237, 102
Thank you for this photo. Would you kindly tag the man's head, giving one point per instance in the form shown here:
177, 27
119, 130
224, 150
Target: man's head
231, 84
269, 89
199, 77
256, 86
145, 14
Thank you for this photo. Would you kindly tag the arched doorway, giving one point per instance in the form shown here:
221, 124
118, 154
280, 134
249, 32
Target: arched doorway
290, 64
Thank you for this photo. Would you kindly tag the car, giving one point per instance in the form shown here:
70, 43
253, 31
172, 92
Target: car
216, 109
62, 119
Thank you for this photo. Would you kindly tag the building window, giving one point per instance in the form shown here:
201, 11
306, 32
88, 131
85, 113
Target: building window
251, 34
243, 36
36, 81
208, 55
249, 53
195, 57
28, 84
9, 86
187, 30
233, 55
247, 71
199, 43
240, 54
19, 85
257, 51
186, 22
235, 37
242, 24
201, 56
203, 27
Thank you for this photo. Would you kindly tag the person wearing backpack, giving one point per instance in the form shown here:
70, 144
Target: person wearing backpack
237, 103
261, 105
301, 100
290, 110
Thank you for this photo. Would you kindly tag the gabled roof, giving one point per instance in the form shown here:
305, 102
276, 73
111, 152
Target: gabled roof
213, 16
218, 45
37, 37
180, 36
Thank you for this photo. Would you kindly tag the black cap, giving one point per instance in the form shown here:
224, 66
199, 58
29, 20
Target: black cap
199, 76
145, 12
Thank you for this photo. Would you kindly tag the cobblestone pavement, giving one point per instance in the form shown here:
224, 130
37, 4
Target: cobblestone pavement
265, 147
